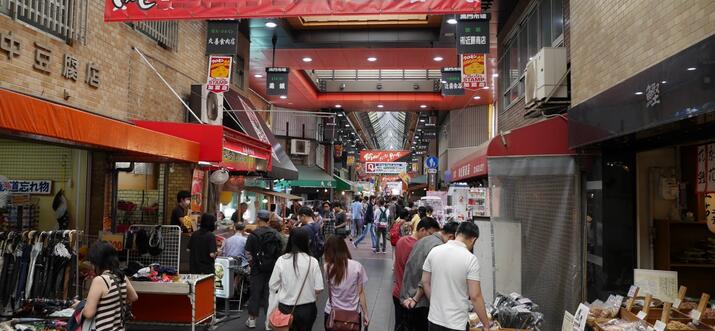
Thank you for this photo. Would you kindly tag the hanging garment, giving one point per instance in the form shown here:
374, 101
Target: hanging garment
36, 250
24, 266
40, 271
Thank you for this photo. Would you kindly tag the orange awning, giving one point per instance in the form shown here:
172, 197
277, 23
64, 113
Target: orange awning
24, 114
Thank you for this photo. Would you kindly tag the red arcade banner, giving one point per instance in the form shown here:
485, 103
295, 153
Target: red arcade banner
382, 156
149, 10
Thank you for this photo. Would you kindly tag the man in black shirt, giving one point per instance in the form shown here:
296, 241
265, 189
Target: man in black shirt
241, 210
183, 201
341, 222
202, 247
263, 249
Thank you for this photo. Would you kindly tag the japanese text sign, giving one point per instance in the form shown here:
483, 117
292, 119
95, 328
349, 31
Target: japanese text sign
474, 70
452, 81
705, 175
143, 10
41, 187
219, 73
382, 156
385, 167
473, 34
277, 81
661, 284
222, 38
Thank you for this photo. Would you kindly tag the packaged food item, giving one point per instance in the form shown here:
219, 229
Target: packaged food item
516, 312
675, 325
621, 325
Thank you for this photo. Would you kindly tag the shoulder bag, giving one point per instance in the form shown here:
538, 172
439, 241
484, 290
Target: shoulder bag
279, 321
340, 319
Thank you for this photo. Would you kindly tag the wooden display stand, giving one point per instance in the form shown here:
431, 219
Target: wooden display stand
189, 302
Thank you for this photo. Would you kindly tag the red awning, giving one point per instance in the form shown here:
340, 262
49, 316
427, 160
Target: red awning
545, 138
27, 115
219, 145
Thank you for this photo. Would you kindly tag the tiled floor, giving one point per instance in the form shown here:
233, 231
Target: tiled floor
379, 293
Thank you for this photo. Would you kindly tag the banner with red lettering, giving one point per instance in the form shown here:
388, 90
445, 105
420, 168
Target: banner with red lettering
149, 10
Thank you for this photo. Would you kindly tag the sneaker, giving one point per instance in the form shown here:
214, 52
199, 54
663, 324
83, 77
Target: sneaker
355, 245
251, 324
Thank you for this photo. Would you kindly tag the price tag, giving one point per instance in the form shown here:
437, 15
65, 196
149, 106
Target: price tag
618, 300
695, 315
659, 325
642, 315
676, 303
633, 291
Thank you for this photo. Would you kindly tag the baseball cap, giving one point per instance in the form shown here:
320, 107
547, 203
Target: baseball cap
263, 215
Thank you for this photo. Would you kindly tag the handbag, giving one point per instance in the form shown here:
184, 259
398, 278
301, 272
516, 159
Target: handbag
278, 321
340, 319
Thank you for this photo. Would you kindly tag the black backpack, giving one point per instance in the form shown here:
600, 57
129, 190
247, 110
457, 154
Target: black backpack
269, 250
317, 241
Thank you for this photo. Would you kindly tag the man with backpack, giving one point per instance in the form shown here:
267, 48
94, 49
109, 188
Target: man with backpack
382, 216
263, 247
369, 219
317, 241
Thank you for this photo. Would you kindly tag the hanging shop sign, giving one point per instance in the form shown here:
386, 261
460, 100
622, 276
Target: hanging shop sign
44, 59
197, 190
474, 71
222, 38
222, 278
338, 150
473, 33
277, 81
385, 167
41, 187
705, 171
238, 162
452, 81
350, 160
144, 10
219, 73
382, 156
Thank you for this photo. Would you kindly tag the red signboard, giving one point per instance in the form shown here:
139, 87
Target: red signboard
145, 10
382, 156
474, 167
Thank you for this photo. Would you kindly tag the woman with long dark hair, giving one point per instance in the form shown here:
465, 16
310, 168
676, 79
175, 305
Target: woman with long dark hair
298, 281
110, 293
346, 281
202, 247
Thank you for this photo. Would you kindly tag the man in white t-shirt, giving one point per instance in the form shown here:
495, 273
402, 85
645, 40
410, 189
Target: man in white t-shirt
450, 277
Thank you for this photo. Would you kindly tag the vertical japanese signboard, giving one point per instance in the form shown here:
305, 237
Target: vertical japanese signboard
474, 71
452, 81
473, 34
705, 175
710, 172
277, 81
197, 189
219, 73
222, 38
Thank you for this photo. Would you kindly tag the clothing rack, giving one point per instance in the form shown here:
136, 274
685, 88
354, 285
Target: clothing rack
37, 265
169, 257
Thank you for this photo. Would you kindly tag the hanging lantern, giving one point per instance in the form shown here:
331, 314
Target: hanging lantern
226, 197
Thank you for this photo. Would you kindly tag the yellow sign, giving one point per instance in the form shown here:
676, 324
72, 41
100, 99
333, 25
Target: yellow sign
116, 239
219, 73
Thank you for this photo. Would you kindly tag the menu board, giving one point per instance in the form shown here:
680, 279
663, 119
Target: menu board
661, 284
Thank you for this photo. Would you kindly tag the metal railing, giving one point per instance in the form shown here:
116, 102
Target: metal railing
166, 33
65, 19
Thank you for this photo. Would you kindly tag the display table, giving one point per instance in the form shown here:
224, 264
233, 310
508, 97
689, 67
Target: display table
188, 302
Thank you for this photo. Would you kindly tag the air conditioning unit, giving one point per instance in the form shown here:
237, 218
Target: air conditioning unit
299, 147
545, 79
206, 105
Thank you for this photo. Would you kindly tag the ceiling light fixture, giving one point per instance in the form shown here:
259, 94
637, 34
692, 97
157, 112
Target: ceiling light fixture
486, 87
452, 21
380, 106
284, 97
438, 58
423, 106
258, 76
476, 97
372, 59
338, 106
692, 69
639, 93
307, 59
664, 82
422, 121
271, 24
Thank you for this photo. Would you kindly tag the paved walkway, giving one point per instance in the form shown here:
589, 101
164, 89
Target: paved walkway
378, 291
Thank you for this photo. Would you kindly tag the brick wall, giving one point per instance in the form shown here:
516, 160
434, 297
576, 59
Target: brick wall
179, 179
616, 39
129, 89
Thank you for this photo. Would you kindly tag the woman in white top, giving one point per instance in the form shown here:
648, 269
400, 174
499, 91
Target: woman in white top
298, 280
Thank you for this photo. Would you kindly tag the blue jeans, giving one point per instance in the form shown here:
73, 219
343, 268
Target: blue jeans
373, 238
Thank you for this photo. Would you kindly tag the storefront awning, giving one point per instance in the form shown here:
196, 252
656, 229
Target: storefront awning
545, 138
310, 177
342, 184
254, 126
281, 195
220, 146
34, 117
